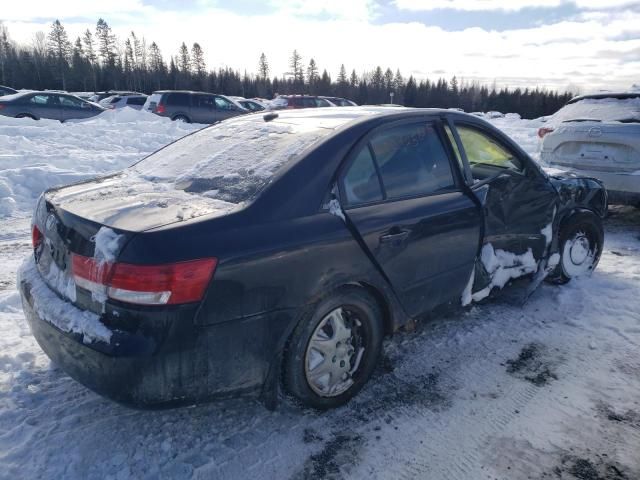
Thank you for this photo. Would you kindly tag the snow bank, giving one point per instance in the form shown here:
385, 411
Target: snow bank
36, 155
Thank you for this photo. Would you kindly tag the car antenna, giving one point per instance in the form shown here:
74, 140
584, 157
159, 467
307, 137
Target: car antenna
270, 116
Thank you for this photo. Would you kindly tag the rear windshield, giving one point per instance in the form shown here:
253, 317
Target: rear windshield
600, 110
233, 160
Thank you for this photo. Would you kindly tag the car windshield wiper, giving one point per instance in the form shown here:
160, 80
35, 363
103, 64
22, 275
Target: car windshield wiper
582, 120
629, 120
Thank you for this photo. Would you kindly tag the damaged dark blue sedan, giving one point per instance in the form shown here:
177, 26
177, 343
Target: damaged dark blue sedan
279, 249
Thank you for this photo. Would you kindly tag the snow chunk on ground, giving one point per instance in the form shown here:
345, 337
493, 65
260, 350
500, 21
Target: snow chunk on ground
58, 312
503, 266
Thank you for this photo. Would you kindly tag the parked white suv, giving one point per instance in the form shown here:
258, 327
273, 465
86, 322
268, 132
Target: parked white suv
598, 136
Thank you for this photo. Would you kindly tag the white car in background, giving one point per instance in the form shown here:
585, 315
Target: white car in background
120, 101
598, 136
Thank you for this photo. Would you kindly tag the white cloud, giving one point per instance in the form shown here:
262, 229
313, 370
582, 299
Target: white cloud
506, 5
345, 9
26, 10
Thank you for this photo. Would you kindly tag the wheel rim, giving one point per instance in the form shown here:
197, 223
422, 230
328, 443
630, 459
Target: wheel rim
579, 254
334, 353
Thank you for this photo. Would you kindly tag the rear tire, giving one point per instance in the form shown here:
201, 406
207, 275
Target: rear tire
26, 115
334, 349
581, 239
181, 118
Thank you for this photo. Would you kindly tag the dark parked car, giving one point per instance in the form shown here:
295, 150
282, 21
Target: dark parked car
116, 101
196, 107
6, 91
283, 247
299, 101
55, 106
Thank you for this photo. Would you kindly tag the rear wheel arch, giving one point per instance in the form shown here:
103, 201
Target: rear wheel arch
26, 115
181, 117
308, 317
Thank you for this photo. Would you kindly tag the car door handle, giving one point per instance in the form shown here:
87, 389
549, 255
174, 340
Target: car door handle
395, 235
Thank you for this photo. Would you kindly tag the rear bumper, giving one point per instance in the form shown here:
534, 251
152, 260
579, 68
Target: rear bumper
190, 364
621, 187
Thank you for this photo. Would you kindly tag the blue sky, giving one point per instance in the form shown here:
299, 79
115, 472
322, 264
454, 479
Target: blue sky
577, 44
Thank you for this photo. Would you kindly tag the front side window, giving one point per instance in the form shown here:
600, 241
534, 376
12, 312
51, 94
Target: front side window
484, 151
224, 104
412, 161
71, 102
361, 184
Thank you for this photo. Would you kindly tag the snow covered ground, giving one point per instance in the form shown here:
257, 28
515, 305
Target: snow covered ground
500, 391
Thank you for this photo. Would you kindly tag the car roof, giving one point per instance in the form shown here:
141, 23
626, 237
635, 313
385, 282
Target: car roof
599, 96
334, 117
185, 91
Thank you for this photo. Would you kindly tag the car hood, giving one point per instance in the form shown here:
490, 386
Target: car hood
126, 201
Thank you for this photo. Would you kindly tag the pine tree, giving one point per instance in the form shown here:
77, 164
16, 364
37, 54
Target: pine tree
197, 60
59, 47
184, 61
398, 80
156, 63
388, 80
353, 79
89, 50
106, 43
312, 75
263, 67
342, 76
296, 68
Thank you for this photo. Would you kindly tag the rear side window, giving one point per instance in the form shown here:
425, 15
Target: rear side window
178, 99
205, 101
136, 100
361, 183
39, 99
412, 161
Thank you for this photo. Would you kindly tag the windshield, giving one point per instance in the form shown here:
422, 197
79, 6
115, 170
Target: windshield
599, 110
232, 160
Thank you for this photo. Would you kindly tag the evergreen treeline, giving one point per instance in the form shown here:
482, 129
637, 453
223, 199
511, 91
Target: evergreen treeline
98, 60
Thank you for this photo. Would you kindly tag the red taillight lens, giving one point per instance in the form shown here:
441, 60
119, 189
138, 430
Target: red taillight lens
160, 108
1, 106
543, 131
169, 284
36, 237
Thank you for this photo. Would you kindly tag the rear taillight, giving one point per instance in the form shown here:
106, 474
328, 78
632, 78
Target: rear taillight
543, 131
160, 108
36, 237
170, 284
1, 106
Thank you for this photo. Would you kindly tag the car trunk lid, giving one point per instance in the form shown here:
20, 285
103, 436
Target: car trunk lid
599, 146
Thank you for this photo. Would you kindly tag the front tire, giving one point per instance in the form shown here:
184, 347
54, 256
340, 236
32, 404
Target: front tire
581, 241
334, 349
